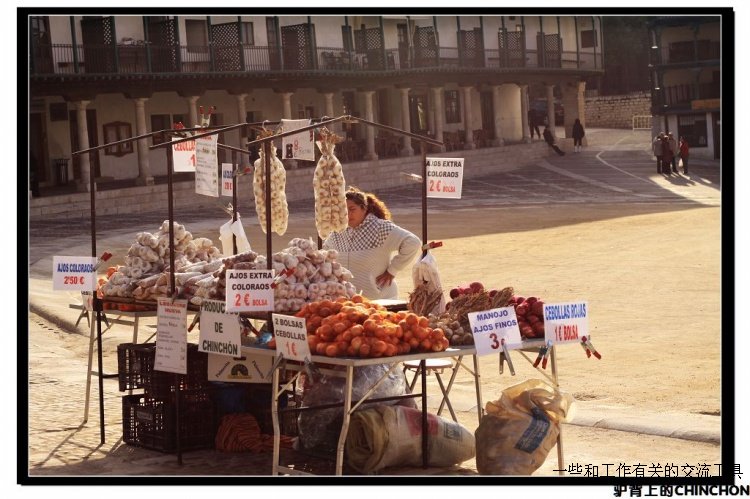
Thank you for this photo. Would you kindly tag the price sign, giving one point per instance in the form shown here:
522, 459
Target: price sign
445, 177
490, 327
220, 332
73, 273
183, 156
300, 145
565, 322
227, 182
206, 171
171, 336
249, 290
291, 337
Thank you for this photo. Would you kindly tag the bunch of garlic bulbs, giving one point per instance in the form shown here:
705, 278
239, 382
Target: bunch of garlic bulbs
279, 207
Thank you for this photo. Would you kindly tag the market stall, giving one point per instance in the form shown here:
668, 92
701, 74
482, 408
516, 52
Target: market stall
441, 331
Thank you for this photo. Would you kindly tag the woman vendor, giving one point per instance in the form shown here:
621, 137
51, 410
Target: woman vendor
372, 247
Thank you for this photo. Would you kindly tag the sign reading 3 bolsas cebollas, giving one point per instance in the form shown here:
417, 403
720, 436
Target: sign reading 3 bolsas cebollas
73, 273
566, 322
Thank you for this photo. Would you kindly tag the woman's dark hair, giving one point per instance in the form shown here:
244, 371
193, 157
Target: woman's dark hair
369, 201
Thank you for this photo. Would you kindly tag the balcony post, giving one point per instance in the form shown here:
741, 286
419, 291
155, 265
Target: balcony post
242, 118
437, 93
468, 119
241, 48
551, 108
210, 44
192, 110
370, 131
144, 167
84, 183
406, 149
525, 113
147, 43
75, 43
115, 51
498, 122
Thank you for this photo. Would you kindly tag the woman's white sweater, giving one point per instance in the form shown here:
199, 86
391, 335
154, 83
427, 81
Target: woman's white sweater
371, 248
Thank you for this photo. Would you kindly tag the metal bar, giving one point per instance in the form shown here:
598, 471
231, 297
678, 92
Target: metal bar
424, 197
423, 369
275, 422
478, 387
99, 362
560, 455
75, 43
88, 369
138, 137
234, 200
198, 135
345, 423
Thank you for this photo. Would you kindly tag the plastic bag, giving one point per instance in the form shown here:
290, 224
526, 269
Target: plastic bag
320, 429
243, 245
520, 429
426, 271
385, 436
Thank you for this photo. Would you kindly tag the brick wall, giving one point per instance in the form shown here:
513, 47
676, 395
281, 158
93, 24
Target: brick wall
367, 175
616, 111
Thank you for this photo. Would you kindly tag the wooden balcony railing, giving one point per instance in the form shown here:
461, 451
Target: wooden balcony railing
149, 58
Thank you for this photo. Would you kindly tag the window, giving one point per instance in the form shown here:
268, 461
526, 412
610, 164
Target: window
346, 37
452, 107
247, 33
693, 128
196, 35
165, 122
589, 39
114, 131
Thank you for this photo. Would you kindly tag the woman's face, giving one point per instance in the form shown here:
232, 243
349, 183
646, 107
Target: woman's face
356, 213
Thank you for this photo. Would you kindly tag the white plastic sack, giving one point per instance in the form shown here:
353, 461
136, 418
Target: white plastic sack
225, 236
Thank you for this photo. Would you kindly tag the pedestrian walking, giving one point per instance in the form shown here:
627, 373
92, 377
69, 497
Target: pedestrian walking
551, 141
657, 147
534, 124
684, 154
674, 150
666, 155
578, 134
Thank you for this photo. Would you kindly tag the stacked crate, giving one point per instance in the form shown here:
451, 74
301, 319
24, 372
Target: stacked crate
150, 419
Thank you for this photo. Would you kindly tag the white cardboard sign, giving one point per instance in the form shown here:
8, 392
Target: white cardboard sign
227, 182
249, 290
220, 332
300, 145
183, 156
491, 327
206, 166
445, 177
291, 337
566, 322
171, 336
73, 273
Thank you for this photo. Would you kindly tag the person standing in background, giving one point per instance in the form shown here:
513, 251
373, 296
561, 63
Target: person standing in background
578, 134
684, 154
534, 124
550, 139
658, 150
666, 155
674, 151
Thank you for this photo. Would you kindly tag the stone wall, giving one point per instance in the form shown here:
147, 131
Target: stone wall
617, 111
367, 175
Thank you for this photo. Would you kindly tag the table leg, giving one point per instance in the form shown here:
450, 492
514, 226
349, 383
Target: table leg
135, 327
275, 421
345, 423
560, 456
478, 388
425, 446
445, 397
450, 384
92, 338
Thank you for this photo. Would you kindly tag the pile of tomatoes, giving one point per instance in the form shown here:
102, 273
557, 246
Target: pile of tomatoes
356, 327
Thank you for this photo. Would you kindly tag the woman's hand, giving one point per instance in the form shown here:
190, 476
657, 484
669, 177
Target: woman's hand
384, 279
